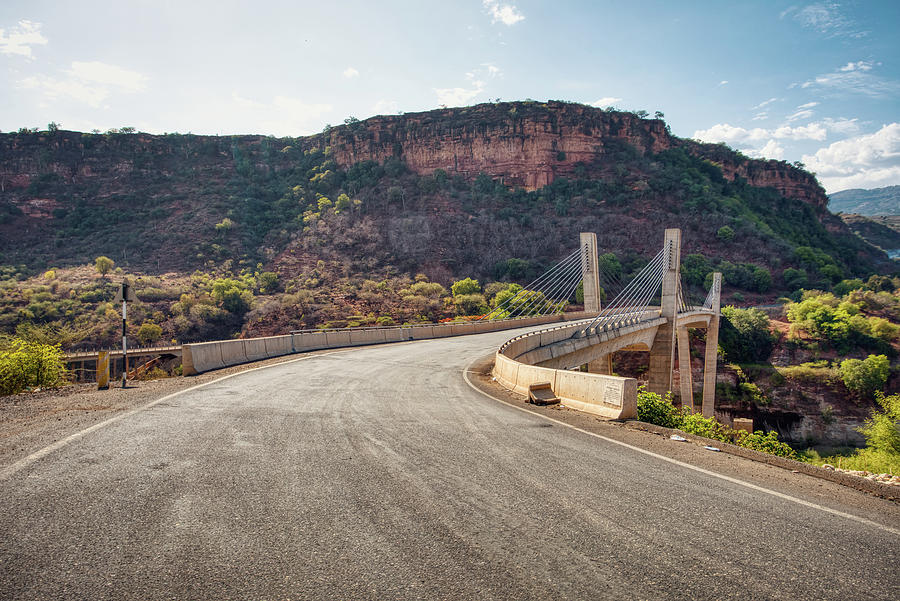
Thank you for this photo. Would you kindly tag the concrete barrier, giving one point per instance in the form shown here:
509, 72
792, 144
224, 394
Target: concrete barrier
198, 358
232, 352
207, 356
363, 337
336, 338
277, 346
309, 341
255, 349
607, 396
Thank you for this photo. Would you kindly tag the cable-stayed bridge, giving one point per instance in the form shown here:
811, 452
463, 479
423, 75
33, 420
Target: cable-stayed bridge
651, 312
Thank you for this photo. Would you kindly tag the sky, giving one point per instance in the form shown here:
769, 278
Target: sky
816, 82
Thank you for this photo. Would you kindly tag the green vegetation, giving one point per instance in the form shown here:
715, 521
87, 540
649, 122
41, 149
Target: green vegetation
865, 377
103, 265
26, 364
654, 409
744, 335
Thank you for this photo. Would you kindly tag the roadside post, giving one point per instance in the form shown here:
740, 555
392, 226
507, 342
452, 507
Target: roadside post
103, 370
125, 295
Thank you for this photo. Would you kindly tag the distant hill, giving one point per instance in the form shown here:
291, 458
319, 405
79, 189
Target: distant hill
878, 201
881, 231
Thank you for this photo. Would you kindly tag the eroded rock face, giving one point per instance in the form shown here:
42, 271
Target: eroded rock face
528, 145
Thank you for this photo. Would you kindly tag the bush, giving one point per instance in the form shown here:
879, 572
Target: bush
654, 409
465, 287
745, 335
25, 364
149, 332
865, 377
103, 265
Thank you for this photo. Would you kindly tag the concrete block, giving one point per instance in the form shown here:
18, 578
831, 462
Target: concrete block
363, 337
422, 332
529, 374
441, 331
337, 338
202, 357
255, 349
232, 352
309, 341
395, 334
277, 346
745, 424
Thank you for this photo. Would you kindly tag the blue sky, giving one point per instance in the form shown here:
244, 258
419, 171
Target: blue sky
817, 82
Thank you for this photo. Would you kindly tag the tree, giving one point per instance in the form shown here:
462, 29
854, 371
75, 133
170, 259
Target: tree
103, 265
232, 295
53, 127
882, 430
725, 234
865, 377
745, 335
149, 332
466, 286
794, 279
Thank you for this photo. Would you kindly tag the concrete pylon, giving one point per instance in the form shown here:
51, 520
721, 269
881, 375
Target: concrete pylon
684, 369
712, 348
662, 353
590, 272
603, 365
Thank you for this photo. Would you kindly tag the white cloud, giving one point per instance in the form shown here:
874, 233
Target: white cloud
504, 13
457, 96
91, 83
799, 115
723, 132
282, 116
858, 66
760, 116
812, 131
723, 82
21, 38
827, 18
492, 70
808, 105
606, 101
386, 107
54, 89
763, 104
841, 126
109, 75
855, 79
350, 73
865, 161
772, 150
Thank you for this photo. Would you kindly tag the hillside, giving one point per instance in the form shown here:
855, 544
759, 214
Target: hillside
345, 219
878, 201
882, 231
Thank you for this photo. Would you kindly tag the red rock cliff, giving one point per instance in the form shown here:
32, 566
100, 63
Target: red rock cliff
529, 144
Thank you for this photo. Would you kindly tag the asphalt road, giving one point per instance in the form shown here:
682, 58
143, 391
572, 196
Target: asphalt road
379, 473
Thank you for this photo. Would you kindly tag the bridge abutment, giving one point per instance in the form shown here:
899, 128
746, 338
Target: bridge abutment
684, 369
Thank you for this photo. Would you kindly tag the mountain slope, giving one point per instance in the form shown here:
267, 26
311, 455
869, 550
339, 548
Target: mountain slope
877, 201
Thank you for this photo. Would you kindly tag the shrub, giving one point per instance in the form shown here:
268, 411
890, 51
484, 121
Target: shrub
725, 234
25, 364
103, 265
149, 332
794, 279
745, 335
654, 409
465, 287
865, 377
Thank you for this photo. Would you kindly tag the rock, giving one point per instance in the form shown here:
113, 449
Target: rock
828, 466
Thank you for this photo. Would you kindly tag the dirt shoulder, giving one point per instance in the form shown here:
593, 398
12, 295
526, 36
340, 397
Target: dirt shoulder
31, 421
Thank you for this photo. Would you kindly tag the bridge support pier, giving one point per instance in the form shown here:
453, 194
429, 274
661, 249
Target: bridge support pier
590, 271
662, 353
684, 369
712, 348
603, 365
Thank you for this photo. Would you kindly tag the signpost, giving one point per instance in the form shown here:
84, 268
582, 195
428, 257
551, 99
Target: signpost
125, 295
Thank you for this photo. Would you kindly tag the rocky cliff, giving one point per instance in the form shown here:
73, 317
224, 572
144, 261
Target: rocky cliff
530, 144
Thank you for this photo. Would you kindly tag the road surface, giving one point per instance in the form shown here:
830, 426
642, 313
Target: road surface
379, 473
